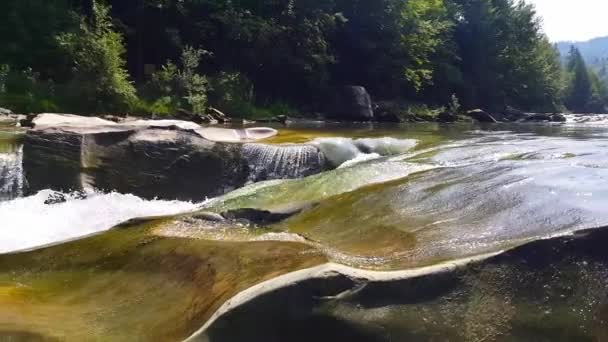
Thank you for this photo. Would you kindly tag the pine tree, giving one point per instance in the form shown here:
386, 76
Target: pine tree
580, 91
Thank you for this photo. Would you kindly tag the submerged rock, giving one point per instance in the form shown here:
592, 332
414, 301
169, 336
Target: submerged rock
546, 290
138, 282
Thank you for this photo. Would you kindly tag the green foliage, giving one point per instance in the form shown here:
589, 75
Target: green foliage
73, 55
454, 106
5, 69
24, 92
586, 92
100, 81
179, 88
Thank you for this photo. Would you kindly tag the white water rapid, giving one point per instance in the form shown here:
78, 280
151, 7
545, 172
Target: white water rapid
28, 222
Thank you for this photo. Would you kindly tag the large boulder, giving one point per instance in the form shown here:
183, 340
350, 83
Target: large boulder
350, 103
150, 163
166, 159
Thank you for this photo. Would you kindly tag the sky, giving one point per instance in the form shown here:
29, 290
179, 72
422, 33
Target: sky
573, 20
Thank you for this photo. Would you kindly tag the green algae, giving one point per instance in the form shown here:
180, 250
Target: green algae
133, 283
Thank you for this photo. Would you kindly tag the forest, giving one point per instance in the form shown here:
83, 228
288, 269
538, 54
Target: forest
258, 58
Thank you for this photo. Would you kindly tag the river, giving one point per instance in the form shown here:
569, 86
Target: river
396, 198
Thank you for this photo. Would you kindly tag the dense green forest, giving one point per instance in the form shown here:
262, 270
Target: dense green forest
253, 58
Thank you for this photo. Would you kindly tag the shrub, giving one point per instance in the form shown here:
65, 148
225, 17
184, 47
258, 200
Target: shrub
174, 88
99, 80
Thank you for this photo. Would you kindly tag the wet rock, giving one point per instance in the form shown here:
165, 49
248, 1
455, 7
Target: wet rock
447, 117
261, 217
27, 121
558, 118
539, 117
513, 114
55, 198
387, 111
481, 116
546, 290
169, 159
350, 103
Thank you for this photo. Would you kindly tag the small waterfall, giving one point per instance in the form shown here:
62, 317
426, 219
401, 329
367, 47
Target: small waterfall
343, 152
11, 175
282, 161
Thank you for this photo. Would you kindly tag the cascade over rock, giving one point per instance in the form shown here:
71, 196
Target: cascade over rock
11, 175
167, 158
282, 161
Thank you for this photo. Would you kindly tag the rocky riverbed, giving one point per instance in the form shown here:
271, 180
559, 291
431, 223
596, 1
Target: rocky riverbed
429, 232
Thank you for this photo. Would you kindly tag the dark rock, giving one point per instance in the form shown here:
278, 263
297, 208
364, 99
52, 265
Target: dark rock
387, 111
447, 117
481, 116
539, 117
558, 118
513, 114
519, 295
166, 159
113, 118
150, 163
256, 216
282, 119
28, 121
55, 198
349, 103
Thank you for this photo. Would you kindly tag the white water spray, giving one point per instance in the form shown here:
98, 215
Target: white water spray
28, 222
11, 175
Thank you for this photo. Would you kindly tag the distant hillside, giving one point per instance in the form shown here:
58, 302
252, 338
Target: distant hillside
594, 51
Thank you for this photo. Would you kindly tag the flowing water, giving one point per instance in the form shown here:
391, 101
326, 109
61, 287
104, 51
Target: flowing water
372, 197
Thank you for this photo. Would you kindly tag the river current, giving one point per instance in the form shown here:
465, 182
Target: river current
393, 199
554, 175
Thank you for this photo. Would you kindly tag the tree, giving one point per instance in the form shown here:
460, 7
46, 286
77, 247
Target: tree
580, 90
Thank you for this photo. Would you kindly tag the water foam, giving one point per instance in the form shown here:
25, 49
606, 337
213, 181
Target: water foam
339, 151
28, 222
11, 175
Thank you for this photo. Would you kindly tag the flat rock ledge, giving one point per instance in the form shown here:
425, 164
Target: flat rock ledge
523, 293
165, 159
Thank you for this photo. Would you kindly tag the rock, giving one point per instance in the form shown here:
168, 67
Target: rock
113, 118
349, 103
539, 117
55, 198
217, 115
359, 305
558, 118
513, 114
169, 159
481, 116
387, 111
28, 121
4, 111
260, 217
264, 217
282, 119
68, 120
447, 117
149, 163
